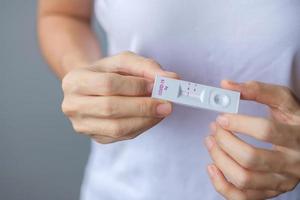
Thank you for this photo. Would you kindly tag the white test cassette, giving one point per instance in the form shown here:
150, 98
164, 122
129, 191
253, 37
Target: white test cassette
196, 95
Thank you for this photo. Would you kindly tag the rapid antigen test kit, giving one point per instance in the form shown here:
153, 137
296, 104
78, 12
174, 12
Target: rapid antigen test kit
196, 95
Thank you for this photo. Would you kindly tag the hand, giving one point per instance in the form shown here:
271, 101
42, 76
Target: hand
241, 171
110, 101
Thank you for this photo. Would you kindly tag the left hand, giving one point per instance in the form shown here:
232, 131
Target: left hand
241, 171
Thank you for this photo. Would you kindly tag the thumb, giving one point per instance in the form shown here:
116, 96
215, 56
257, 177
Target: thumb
132, 64
275, 96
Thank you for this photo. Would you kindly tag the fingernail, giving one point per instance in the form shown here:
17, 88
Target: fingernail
222, 120
150, 87
172, 74
213, 128
211, 171
209, 142
169, 72
164, 109
232, 82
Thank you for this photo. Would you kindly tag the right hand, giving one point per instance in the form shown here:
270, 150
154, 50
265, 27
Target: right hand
109, 101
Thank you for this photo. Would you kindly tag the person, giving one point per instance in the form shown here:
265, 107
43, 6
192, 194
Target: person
143, 148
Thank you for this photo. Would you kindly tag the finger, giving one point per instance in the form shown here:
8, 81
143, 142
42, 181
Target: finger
116, 128
108, 140
262, 129
284, 104
261, 194
222, 186
294, 170
130, 63
274, 96
118, 107
229, 191
240, 177
108, 84
246, 155
103, 139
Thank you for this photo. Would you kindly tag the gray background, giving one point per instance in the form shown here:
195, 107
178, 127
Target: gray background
40, 156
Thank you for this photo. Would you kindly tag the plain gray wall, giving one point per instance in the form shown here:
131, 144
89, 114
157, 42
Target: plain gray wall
40, 156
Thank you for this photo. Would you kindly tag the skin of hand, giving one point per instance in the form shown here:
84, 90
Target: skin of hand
105, 98
109, 100
241, 171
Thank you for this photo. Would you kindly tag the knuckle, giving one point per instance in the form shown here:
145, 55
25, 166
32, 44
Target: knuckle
151, 62
69, 83
251, 88
267, 130
65, 84
107, 83
64, 107
254, 84
116, 130
79, 127
250, 160
243, 180
107, 108
69, 108
232, 122
145, 107
139, 87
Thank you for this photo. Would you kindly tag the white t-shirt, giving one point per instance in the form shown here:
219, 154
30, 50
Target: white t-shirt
204, 41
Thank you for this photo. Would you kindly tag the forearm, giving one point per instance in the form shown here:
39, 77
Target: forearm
67, 42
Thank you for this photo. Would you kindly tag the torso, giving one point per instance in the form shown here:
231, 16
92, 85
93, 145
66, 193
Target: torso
204, 41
